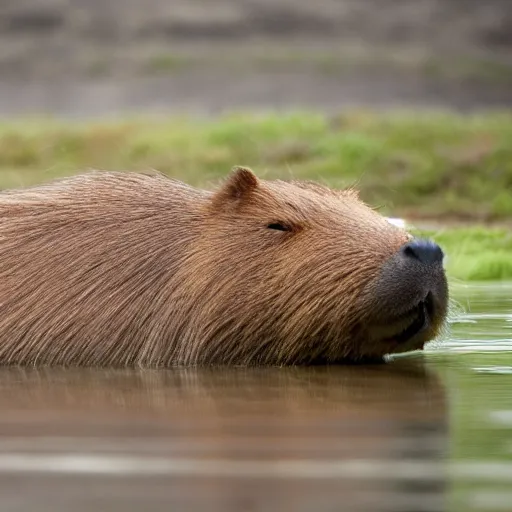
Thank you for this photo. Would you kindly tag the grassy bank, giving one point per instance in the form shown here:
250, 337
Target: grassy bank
476, 253
419, 166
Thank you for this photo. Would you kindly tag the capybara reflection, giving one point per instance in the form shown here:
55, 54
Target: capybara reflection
120, 269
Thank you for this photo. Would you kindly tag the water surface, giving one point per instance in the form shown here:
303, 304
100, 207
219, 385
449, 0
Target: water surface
430, 432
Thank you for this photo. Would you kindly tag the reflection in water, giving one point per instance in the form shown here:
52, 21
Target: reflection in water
339, 438
430, 433
476, 363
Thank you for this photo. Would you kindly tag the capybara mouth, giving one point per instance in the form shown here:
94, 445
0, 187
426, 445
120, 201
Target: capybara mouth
412, 323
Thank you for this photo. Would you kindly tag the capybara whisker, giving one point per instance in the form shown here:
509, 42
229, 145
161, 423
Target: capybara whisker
129, 269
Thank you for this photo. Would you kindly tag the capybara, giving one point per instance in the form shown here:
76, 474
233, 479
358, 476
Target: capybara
128, 269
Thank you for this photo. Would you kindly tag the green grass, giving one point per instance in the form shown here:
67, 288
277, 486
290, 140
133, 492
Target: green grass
420, 166
476, 253
416, 165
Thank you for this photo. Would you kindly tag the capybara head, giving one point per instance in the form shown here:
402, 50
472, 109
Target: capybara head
146, 270
304, 273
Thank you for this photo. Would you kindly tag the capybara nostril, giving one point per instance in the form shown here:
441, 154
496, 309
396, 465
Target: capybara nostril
425, 251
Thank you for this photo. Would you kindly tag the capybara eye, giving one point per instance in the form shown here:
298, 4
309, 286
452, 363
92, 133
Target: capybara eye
279, 226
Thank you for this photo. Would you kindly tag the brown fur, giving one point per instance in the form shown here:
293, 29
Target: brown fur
130, 269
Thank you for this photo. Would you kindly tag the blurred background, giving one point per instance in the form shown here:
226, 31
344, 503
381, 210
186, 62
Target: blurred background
409, 101
96, 57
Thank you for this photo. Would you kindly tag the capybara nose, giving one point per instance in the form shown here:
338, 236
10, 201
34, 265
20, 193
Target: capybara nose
425, 251
408, 302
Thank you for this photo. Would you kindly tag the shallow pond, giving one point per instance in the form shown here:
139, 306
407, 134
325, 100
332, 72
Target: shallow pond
430, 432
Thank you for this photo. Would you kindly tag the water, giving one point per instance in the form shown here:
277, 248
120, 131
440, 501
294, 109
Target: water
424, 433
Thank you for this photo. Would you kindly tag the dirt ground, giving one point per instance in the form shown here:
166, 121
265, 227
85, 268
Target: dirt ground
95, 57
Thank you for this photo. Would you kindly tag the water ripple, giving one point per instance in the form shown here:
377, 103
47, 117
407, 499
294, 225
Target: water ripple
481, 320
499, 370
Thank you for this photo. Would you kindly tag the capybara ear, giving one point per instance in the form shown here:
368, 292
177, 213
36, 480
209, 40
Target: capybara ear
239, 185
241, 182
